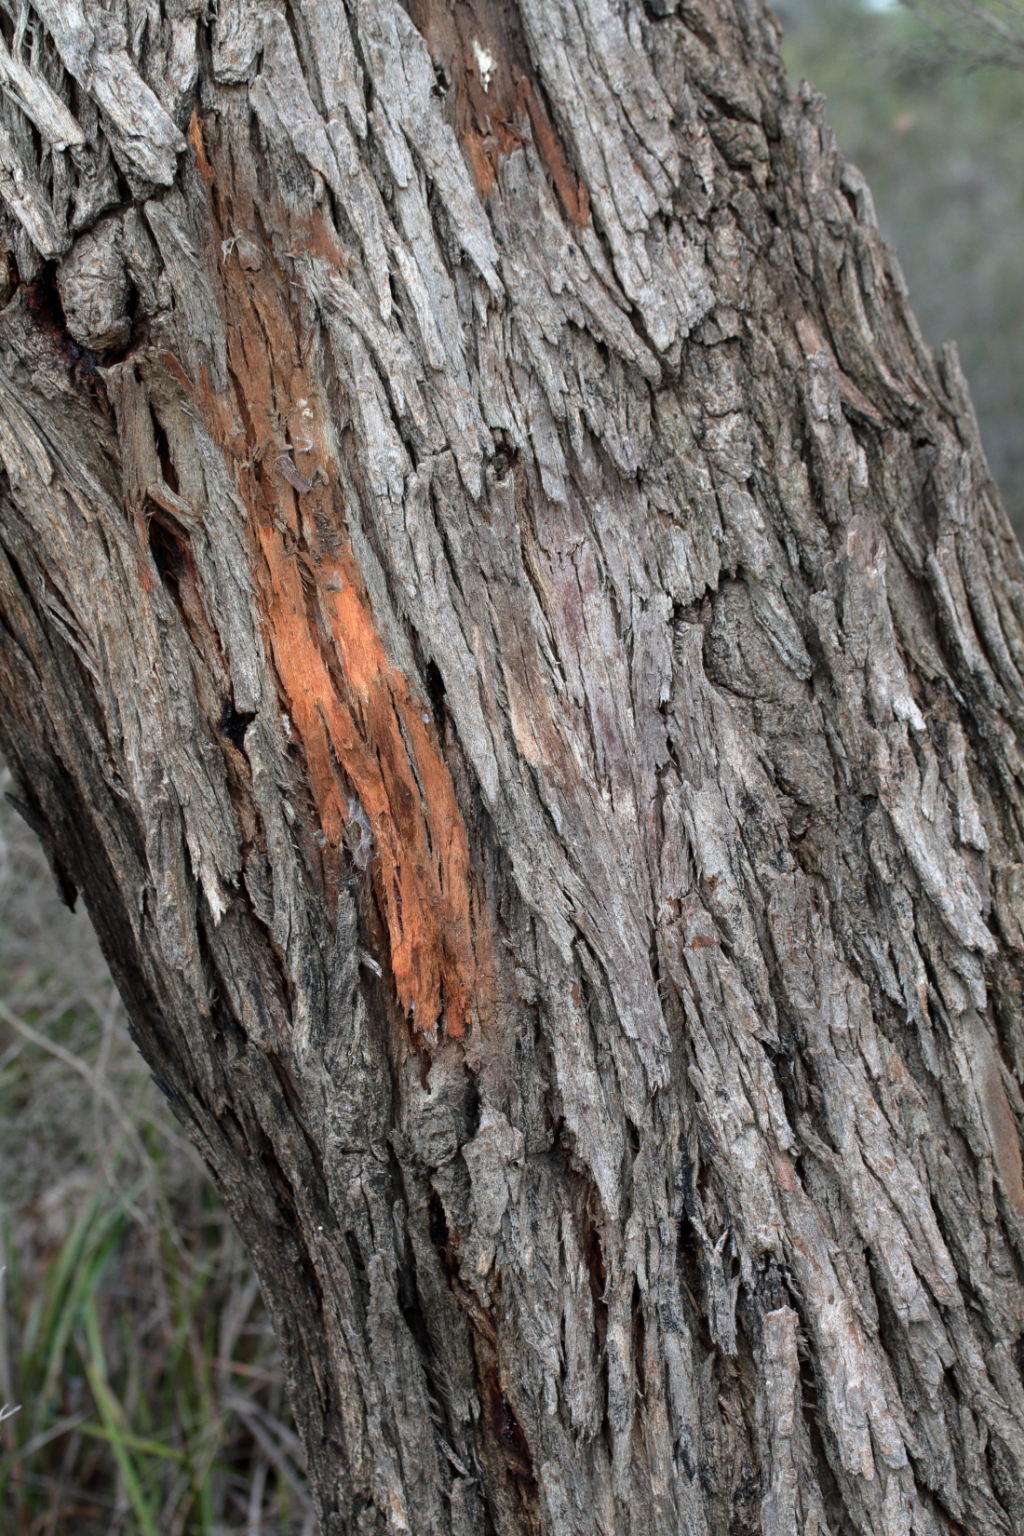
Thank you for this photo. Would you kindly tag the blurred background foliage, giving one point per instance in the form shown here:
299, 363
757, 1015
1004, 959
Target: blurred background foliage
941, 142
132, 1332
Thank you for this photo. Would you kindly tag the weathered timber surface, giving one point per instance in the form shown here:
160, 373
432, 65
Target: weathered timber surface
511, 633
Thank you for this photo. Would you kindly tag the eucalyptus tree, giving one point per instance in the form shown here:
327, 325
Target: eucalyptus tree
512, 634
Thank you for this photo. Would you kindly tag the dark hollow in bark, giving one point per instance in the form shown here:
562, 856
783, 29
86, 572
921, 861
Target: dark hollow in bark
511, 632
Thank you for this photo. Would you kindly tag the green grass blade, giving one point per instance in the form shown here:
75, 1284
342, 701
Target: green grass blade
110, 1412
93, 1256
135, 1443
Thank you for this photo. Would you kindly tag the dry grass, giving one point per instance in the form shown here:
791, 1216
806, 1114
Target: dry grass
133, 1338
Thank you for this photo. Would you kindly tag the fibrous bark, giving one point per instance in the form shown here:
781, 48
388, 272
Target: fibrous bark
511, 632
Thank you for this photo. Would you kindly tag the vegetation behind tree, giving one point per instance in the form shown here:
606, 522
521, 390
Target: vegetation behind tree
941, 143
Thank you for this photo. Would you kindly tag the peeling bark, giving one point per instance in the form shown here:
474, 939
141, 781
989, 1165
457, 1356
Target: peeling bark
512, 634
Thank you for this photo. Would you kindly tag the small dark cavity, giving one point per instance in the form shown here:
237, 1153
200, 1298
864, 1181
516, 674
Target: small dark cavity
436, 692
441, 1237
163, 453
508, 1432
438, 1223
471, 1106
235, 722
44, 307
504, 461
169, 552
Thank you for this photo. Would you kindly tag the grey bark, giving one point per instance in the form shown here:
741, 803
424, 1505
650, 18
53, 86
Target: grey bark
512, 634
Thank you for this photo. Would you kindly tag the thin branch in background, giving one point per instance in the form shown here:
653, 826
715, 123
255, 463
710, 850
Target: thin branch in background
100, 1088
970, 34
263, 1430
255, 1510
6, 1378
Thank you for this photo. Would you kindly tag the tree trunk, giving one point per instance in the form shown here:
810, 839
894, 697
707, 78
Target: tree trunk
511, 632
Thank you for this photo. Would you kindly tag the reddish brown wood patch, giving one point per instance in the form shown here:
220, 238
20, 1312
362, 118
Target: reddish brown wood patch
370, 744
481, 57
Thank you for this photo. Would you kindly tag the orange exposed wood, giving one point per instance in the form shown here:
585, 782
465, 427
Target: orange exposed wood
573, 193
370, 745
496, 117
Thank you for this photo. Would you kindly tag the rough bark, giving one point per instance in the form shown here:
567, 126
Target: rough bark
511, 632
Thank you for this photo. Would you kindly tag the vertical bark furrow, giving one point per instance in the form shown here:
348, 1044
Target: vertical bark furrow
512, 633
